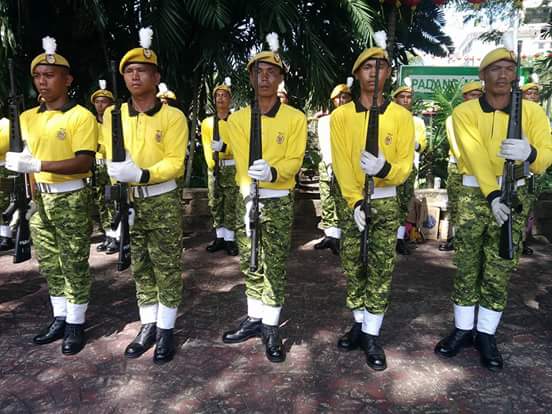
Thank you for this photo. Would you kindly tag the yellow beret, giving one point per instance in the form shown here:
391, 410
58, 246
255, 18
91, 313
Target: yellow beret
370, 53
472, 86
496, 55
402, 89
530, 85
267, 57
222, 87
138, 55
101, 92
341, 88
166, 95
52, 60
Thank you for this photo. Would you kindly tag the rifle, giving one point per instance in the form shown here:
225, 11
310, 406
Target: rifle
216, 157
512, 172
18, 185
255, 153
119, 191
372, 136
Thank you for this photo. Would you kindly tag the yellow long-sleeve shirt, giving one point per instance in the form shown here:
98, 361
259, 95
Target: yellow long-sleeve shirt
4, 137
479, 132
284, 139
59, 135
207, 131
156, 139
348, 137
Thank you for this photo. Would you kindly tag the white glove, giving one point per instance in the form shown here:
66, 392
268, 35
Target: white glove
500, 211
131, 216
360, 218
330, 170
22, 162
246, 219
260, 170
33, 208
125, 171
371, 165
217, 145
515, 149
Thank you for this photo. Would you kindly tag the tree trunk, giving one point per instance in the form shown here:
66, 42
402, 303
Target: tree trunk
198, 84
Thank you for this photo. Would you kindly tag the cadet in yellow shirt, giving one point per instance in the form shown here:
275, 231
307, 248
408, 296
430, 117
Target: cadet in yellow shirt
284, 138
6, 242
471, 90
61, 140
223, 191
368, 293
155, 136
404, 96
480, 128
329, 194
531, 92
101, 99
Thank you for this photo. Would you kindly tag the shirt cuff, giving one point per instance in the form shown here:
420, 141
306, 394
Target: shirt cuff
492, 195
145, 176
384, 172
274, 174
533, 156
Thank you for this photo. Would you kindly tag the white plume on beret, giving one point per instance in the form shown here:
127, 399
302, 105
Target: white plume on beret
408, 81
145, 34
273, 41
508, 40
381, 39
535, 77
102, 83
228, 81
350, 81
49, 45
163, 87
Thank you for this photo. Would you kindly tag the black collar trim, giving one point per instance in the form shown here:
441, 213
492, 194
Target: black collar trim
150, 112
487, 108
66, 107
360, 108
274, 110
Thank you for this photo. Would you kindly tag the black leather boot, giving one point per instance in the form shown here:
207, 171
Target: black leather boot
328, 243
526, 250
451, 344
216, 245
350, 340
143, 341
164, 348
273, 344
112, 246
102, 247
231, 248
490, 355
402, 247
375, 356
447, 246
73, 339
52, 333
249, 328
6, 244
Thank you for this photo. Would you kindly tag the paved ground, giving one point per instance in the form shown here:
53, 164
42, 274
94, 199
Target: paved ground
209, 377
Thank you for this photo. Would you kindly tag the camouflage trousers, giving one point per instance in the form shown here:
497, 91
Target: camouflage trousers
4, 197
156, 246
103, 209
454, 189
371, 290
268, 283
328, 193
223, 198
61, 230
482, 275
405, 192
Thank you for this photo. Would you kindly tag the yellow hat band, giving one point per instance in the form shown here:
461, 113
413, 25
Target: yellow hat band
52, 60
104, 93
496, 55
401, 90
222, 87
370, 53
341, 88
529, 86
267, 57
137, 55
472, 86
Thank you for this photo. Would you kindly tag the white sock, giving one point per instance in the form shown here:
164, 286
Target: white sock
59, 306
166, 317
229, 235
76, 313
5, 231
271, 315
464, 317
358, 315
487, 320
401, 232
372, 323
148, 313
254, 308
333, 232
220, 233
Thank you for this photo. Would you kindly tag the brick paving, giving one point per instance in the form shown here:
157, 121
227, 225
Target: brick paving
207, 376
